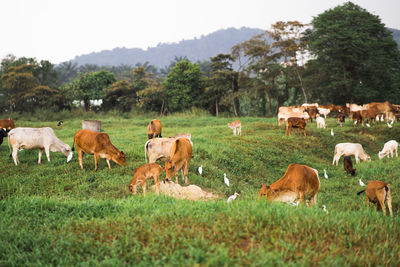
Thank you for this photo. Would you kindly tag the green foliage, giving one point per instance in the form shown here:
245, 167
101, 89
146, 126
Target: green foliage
57, 214
120, 95
356, 55
184, 86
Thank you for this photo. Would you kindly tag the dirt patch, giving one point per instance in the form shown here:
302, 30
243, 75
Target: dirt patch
190, 192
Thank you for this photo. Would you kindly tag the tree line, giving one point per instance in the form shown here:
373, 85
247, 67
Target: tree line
345, 55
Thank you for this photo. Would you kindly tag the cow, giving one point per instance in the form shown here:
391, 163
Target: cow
98, 144
8, 124
154, 129
389, 149
324, 110
299, 123
348, 166
236, 126
356, 116
180, 156
381, 108
142, 173
312, 112
40, 138
320, 122
378, 192
349, 149
300, 182
295, 111
340, 117
160, 148
186, 135
3, 133
368, 114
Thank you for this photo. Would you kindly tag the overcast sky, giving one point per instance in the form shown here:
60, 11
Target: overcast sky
59, 30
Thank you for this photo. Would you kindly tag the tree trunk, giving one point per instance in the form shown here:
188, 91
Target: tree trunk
302, 87
235, 89
216, 108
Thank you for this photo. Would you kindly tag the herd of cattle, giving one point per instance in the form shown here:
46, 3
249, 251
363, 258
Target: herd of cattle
300, 182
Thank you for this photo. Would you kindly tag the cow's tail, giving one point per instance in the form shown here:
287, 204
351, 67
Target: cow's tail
362, 191
73, 145
145, 150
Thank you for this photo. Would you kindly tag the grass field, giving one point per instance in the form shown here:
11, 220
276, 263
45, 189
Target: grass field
57, 214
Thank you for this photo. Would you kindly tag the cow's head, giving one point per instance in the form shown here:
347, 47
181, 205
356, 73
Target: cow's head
132, 187
66, 150
119, 158
353, 172
170, 170
263, 191
365, 157
381, 154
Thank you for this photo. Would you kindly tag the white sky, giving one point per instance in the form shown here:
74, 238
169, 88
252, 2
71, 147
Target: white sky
59, 30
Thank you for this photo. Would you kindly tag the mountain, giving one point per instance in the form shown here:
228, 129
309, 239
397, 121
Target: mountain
160, 56
396, 35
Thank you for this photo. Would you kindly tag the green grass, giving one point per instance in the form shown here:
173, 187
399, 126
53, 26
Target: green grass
57, 214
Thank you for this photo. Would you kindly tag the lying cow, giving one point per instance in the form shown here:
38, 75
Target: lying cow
154, 129
142, 173
8, 124
350, 149
300, 182
348, 166
390, 148
378, 192
180, 156
98, 144
41, 138
299, 123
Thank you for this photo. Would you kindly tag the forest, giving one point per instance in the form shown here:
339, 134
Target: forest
345, 55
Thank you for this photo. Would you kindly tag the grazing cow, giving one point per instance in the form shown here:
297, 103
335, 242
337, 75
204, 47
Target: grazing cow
299, 182
3, 133
312, 112
320, 122
356, 116
8, 124
98, 144
299, 123
236, 126
180, 156
160, 148
41, 138
142, 173
348, 166
349, 149
378, 192
368, 114
154, 129
389, 148
288, 112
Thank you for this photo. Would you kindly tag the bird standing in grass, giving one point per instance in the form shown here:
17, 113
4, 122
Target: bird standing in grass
367, 124
226, 180
324, 209
389, 125
332, 132
361, 182
200, 169
325, 175
59, 124
232, 198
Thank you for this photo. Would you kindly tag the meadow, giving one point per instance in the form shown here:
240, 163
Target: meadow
57, 214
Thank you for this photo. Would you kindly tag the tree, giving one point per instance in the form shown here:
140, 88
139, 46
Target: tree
184, 86
356, 54
120, 95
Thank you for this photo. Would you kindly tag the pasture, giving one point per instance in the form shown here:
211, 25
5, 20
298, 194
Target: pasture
57, 214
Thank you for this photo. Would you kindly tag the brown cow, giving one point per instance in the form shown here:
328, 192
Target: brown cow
154, 129
142, 173
381, 107
356, 116
299, 182
368, 114
348, 165
312, 112
98, 144
299, 123
180, 156
378, 192
7, 124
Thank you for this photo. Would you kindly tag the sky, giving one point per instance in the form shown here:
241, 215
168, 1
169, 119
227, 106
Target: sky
59, 30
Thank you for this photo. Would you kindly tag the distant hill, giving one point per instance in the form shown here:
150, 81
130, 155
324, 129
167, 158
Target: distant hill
197, 49
160, 56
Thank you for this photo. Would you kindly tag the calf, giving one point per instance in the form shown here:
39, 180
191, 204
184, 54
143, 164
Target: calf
236, 126
154, 129
98, 144
142, 173
180, 156
390, 147
299, 123
8, 124
378, 192
349, 149
41, 138
320, 122
348, 166
300, 182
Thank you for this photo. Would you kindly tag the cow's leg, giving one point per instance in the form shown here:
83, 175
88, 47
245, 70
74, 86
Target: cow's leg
286, 130
47, 151
40, 155
185, 172
176, 178
395, 150
301, 198
80, 155
336, 159
96, 161
234, 131
389, 202
157, 184
15, 155
144, 187
109, 165
313, 200
381, 200
357, 158
240, 130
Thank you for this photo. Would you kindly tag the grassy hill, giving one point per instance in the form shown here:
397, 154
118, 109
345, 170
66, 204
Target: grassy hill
57, 214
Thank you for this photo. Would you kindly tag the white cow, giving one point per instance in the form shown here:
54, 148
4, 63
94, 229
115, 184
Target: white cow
320, 122
389, 148
41, 138
349, 149
324, 111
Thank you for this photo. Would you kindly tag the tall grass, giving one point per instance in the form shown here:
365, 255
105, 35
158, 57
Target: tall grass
57, 214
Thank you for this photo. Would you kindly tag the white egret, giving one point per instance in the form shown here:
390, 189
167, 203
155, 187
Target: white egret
389, 125
232, 198
324, 208
325, 175
332, 132
367, 124
293, 203
361, 182
226, 180
200, 169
